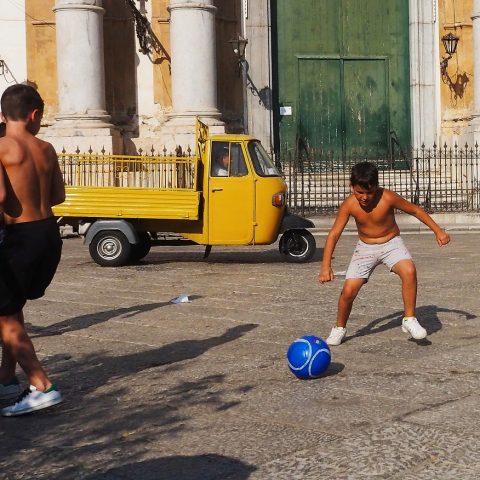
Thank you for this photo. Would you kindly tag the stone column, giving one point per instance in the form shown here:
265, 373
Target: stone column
475, 123
82, 119
194, 72
424, 74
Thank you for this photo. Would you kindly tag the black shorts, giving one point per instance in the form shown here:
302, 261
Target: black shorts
29, 256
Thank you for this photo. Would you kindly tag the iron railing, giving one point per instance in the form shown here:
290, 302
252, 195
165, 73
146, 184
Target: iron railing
161, 172
439, 179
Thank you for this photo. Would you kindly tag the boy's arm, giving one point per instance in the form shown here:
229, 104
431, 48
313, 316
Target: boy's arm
57, 193
3, 189
405, 206
326, 272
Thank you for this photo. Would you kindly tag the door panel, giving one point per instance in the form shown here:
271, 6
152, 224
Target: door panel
319, 119
366, 107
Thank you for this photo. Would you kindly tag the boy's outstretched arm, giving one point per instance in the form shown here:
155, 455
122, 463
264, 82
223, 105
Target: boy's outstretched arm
405, 206
326, 272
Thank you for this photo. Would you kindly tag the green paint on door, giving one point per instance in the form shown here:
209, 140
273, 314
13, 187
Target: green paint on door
343, 68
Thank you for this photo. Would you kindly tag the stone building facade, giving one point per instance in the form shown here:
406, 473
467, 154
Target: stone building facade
129, 76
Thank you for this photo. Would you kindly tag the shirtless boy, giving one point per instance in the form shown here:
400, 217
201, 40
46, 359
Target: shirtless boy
379, 241
32, 246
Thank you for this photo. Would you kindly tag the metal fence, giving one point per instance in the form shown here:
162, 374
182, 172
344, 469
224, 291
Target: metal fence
439, 179
163, 172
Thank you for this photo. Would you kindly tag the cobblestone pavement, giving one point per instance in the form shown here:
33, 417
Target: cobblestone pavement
201, 390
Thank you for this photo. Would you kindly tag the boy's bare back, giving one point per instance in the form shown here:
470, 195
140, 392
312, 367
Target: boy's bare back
33, 180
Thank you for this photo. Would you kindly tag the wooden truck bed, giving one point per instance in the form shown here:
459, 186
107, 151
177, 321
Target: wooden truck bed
114, 186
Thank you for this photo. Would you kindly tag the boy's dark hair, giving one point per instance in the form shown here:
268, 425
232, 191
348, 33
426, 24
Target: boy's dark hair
19, 100
365, 175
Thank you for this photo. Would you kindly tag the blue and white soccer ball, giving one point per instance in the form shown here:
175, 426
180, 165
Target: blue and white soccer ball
308, 357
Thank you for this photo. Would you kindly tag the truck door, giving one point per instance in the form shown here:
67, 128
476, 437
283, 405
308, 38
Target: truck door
231, 196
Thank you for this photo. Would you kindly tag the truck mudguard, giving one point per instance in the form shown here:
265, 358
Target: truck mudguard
121, 225
293, 222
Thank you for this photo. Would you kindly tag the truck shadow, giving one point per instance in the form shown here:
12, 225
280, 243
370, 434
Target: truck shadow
252, 256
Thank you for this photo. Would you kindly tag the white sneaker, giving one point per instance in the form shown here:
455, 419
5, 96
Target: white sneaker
336, 336
411, 326
10, 390
32, 399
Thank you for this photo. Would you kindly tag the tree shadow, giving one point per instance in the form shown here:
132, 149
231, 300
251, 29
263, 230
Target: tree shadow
181, 467
427, 314
108, 409
97, 433
96, 370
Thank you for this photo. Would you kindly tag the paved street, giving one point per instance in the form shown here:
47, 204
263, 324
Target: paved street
201, 390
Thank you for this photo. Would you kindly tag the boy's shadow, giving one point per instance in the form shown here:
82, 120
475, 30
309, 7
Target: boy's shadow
428, 315
85, 321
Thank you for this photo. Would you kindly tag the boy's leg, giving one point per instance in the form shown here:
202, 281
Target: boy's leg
406, 270
350, 290
20, 348
9, 364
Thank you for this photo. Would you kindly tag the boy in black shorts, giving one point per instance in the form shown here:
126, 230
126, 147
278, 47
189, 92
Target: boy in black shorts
31, 249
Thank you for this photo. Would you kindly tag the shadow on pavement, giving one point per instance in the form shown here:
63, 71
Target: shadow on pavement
427, 315
204, 467
85, 321
221, 256
334, 369
96, 370
110, 415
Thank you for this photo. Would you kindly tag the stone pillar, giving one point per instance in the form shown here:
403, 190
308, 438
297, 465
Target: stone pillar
194, 72
82, 119
424, 74
475, 123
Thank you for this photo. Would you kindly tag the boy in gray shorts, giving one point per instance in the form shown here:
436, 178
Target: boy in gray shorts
373, 208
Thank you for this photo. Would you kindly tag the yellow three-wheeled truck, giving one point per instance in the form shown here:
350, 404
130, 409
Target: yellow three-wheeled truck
228, 193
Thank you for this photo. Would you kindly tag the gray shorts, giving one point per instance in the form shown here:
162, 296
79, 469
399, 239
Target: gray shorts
367, 256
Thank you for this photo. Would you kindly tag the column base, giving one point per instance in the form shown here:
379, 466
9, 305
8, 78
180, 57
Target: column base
473, 131
179, 129
106, 140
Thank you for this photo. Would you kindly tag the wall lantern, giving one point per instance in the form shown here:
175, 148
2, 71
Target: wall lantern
457, 87
2, 67
450, 43
238, 45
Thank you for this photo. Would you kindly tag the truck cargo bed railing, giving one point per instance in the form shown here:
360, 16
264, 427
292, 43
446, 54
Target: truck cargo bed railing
168, 172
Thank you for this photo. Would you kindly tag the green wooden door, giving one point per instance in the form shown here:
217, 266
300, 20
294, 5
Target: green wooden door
365, 107
319, 98
343, 74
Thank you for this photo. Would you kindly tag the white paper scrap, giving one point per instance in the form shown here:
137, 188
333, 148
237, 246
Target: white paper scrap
180, 299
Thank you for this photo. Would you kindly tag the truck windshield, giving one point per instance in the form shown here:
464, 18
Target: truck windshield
261, 161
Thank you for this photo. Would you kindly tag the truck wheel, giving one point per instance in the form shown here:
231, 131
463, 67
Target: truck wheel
110, 248
297, 245
140, 249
